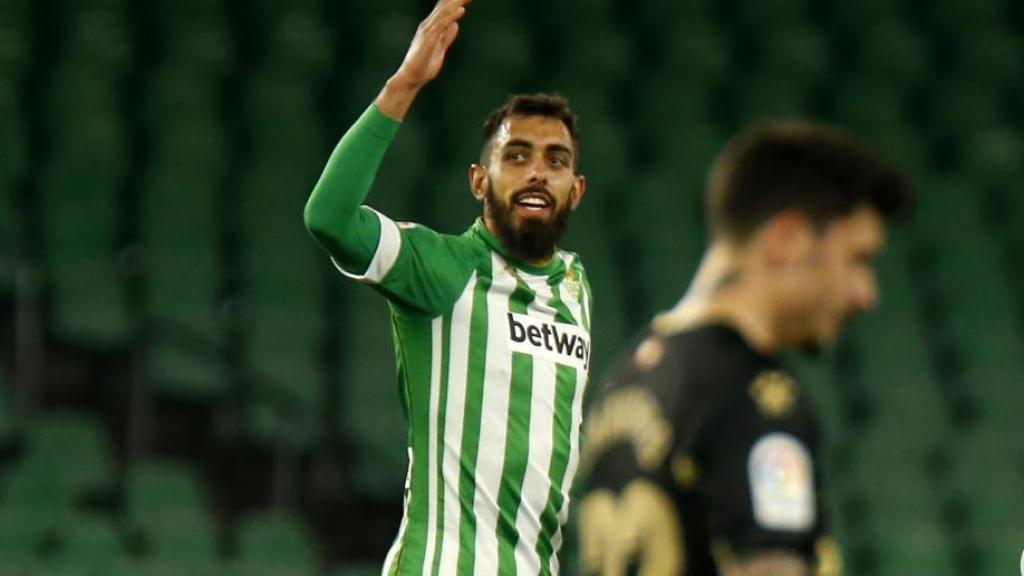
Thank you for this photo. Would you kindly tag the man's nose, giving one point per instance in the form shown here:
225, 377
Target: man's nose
867, 294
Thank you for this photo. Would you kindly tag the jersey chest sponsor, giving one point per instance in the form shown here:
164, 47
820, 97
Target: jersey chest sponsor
563, 343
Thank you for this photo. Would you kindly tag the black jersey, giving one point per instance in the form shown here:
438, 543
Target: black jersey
699, 451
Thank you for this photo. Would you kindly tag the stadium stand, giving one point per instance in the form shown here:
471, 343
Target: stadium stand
155, 158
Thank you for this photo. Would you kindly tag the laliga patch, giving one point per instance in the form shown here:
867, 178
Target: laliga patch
562, 343
782, 483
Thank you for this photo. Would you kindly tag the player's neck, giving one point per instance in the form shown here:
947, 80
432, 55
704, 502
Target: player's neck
725, 290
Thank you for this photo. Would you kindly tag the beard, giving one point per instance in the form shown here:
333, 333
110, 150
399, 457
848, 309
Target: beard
532, 239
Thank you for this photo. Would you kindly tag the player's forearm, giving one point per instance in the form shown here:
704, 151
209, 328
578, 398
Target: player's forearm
396, 97
332, 213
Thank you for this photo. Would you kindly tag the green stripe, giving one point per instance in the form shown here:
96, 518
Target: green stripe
517, 444
416, 393
446, 344
471, 423
565, 391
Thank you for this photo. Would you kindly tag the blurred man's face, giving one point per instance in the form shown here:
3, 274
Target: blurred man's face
529, 186
836, 278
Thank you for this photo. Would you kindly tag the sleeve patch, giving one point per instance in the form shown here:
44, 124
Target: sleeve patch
781, 478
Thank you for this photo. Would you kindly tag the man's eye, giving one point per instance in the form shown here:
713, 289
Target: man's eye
515, 156
559, 161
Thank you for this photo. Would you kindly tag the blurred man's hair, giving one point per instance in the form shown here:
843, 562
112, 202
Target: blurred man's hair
549, 105
823, 171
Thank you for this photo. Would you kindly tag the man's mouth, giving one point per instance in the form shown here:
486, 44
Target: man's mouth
534, 201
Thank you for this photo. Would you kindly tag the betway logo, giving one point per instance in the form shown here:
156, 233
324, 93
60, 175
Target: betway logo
563, 343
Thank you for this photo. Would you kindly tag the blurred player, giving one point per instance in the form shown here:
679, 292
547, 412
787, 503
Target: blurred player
702, 451
491, 328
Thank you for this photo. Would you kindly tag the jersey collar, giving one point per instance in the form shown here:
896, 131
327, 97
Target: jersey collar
553, 265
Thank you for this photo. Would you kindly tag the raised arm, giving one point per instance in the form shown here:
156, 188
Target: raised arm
333, 215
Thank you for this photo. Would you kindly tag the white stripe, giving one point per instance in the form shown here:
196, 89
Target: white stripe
436, 327
384, 258
396, 546
537, 482
497, 384
458, 366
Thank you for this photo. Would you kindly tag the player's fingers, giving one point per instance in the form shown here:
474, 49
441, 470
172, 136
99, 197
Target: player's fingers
444, 14
450, 34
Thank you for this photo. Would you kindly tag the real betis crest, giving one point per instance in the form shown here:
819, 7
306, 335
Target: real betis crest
572, 283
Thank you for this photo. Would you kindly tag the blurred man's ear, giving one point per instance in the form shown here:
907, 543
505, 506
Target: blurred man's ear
788, 237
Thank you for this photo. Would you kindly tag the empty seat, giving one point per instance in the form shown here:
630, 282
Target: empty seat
276, 540
166, 503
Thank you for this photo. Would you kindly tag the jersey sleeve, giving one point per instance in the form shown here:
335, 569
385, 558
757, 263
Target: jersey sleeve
760, 482
416, 268
413, 266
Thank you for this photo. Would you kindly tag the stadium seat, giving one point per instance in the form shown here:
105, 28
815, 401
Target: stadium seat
13, 160
989, 56
867, 105
88, 543
695, 53
764, 96
955, 17
370, 408
892, 52
959, 107
994, 158
99, 36
759, 15
79, 200
797, 52
276, 540
166, 503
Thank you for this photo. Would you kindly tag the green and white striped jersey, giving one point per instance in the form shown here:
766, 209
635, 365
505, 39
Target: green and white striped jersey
492, 366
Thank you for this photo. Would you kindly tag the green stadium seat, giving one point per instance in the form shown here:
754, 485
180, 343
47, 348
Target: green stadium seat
67, 455
764, 96
180, 239
695, 53
602, 53
300, 44
15, 38
402, 184
100, 38
869, 105
89, 543
79, 199
796, 52
989, 56
370, 409
276, 540
892, 52
760, 15
994, 158
907, 148
673, 101
959, 108
503, 49
851, 20
955, 17
166, 502
13, 161
666, 225
184, 565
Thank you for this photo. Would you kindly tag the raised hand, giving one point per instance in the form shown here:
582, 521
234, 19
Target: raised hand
424, 59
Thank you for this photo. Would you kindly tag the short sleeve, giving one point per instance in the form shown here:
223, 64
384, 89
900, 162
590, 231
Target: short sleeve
416, 268
761, 484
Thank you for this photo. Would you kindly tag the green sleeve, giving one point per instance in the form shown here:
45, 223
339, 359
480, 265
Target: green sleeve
415, 268
333, 214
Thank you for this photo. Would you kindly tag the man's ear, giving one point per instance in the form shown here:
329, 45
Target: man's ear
788, 237
577, 191
478, 180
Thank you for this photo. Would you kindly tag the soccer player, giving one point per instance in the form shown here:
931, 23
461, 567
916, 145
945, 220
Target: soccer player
491, 327
702, 450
